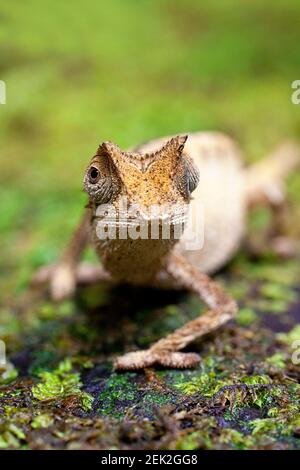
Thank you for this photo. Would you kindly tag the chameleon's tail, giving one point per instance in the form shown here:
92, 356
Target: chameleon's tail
265, 179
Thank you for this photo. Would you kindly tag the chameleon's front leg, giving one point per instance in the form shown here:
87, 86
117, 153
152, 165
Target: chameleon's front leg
165, 351
64, 276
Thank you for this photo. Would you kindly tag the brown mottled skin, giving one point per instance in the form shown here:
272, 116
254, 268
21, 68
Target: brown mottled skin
166, 171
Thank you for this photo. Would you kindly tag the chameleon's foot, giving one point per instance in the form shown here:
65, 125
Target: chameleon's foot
142, 359
284, 247
61, 278
62, 282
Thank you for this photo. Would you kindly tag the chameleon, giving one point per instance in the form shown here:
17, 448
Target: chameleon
181, 176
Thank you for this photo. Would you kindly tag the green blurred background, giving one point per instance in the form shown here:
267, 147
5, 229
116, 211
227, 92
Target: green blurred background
81, 72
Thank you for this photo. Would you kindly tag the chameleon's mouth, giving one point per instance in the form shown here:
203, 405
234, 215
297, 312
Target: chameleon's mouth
148, 222
171, 214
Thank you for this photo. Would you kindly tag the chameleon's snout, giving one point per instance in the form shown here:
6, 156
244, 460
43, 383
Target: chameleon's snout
136, 215
171, 214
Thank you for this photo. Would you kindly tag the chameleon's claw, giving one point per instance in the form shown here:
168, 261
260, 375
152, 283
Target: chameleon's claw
134, 360
61, 278
178, 360
142, 359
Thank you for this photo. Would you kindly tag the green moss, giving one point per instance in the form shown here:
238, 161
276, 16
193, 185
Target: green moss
256, 380
287, 273
291, 336
276, 297
283, 421
61, 383
277, 360
48, 311
42, 360
94, 296
207, 384
119, 390
200, 438
278, 291
264, 426
8, 373
11, 436
239, 391
236, 439
10, 325
194, 440
189, 442
42, 420
246, 316
271, 306
166, 320
152, 401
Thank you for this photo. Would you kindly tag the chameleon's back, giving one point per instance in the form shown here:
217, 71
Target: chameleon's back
219, 202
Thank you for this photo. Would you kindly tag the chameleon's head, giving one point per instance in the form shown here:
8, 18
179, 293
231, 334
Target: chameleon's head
142, 187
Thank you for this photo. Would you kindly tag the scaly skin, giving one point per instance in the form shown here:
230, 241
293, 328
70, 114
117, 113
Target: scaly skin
165, 173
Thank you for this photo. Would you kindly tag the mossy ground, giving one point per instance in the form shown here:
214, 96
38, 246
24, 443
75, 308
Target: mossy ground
60, 390
81, 73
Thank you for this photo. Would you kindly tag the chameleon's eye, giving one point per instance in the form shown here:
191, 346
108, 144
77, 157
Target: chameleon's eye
94, 175
187, 177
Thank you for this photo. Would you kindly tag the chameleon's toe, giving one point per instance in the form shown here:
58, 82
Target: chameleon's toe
135, 360
178, 360
142, 359
62, 282
284, 247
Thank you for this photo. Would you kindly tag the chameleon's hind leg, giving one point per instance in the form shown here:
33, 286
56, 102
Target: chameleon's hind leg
265, 188
273, 238
165, 352
67, 273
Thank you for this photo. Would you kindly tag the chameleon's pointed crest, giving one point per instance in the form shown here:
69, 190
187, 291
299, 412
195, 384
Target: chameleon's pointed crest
174, 146
171, 151
109, 149
169, 154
